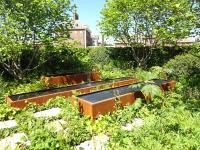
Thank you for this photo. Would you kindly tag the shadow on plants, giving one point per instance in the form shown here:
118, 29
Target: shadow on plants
51, 60
63, 61
124, 56
191, 92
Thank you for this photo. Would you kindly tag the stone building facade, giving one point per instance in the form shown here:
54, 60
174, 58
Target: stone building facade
80, 33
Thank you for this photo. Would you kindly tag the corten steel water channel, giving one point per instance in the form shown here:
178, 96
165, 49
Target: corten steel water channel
105, 101
71, 78
42, 96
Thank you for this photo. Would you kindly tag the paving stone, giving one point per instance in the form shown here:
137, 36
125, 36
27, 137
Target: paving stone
11, 142
48, 113
128, 127
96, 143
8, 124
56, 125
137, 122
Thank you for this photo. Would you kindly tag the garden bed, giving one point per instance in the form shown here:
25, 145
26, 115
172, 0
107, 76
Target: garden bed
42, 96
103, 102
71, 78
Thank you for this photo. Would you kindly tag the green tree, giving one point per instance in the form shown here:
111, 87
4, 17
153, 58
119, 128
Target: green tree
152, 22
30, 25
195, 7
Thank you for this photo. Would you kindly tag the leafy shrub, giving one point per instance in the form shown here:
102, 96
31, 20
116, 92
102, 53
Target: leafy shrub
184, 65
65, 58
99, 55
53, 60
186, 69
124, 56
155, 72
111, 72
195, 50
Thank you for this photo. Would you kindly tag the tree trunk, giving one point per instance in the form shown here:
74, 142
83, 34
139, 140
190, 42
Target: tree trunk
141, 56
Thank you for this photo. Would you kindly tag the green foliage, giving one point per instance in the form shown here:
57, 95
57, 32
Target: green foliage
39, 131
122, 17
110, 72
195, 50
151, 91
171, 120
189, 86
186, 69
99, 56
65, 58
176, 118
123, 57
195, 6
30, 25
110, 61
155, 72
161, 126
7, 113
141, 23
184, 65
145, 75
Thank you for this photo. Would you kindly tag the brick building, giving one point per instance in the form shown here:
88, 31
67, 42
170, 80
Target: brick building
80, 32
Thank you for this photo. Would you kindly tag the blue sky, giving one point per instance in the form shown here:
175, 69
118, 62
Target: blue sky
89, 12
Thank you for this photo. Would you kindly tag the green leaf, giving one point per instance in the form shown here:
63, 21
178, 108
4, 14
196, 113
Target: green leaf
151, 90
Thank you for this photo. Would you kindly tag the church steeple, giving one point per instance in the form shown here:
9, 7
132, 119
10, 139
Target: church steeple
75, 15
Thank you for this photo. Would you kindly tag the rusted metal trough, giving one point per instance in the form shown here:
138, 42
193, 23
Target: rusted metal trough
71, 78
103, 102
42, 96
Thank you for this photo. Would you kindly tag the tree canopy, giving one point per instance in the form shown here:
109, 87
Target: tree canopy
152, 22
30, 24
